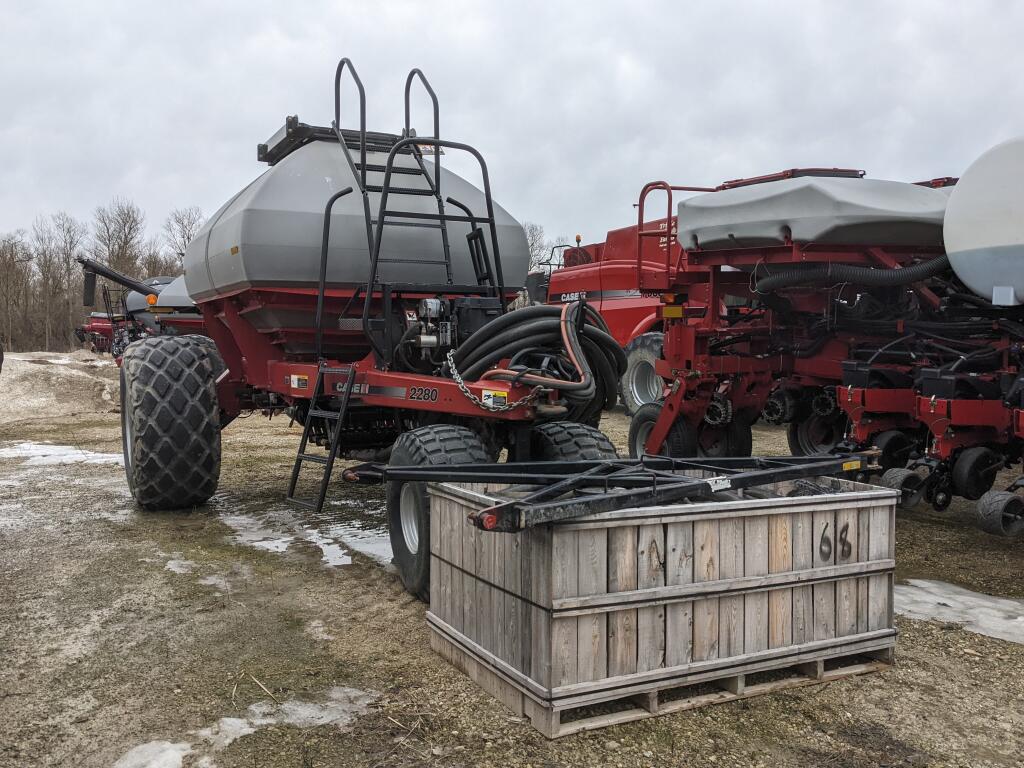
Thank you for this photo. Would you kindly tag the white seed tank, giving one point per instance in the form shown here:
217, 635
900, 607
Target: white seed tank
984, 225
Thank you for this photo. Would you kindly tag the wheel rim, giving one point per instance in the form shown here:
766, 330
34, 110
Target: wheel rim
644, 384
126, 426
410, 526
640, 439
819, 435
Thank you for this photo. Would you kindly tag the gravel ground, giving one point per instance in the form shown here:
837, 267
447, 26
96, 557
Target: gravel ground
243, 634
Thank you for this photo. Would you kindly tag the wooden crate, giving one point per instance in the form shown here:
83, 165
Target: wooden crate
632, 609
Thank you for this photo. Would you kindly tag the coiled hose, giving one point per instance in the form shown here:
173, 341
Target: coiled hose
847, 273
548, 347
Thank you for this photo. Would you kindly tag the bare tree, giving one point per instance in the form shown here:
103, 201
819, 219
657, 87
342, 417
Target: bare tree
156, 262
48, 268
70, 235
181, 226
119, 232
536, 243
15, 281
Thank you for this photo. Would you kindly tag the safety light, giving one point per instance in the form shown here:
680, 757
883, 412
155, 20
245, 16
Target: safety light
151, 299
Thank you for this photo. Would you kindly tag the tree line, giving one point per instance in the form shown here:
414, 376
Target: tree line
41, 280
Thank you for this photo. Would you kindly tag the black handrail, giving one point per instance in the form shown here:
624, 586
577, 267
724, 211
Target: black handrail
416, 73
336, 125
322, 285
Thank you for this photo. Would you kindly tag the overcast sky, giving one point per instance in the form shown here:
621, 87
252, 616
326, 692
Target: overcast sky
574, 105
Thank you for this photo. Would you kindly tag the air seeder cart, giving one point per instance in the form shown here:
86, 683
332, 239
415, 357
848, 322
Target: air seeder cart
362, 288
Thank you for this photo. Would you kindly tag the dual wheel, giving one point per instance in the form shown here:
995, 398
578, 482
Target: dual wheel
683, 441
446, 445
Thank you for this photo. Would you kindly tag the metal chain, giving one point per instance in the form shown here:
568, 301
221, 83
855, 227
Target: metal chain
457, 378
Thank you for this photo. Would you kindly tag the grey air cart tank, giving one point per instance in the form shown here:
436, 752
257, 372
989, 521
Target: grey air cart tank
269, 234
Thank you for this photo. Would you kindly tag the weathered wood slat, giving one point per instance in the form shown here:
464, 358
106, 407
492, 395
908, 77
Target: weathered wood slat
730, 616
564, 583
847, 529
592, 630
803, 559
755, 604
622, 576
780, 601
650, 574
824, 542
705, 569
678, 616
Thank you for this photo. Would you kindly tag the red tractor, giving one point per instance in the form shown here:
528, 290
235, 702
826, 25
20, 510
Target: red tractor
363, 289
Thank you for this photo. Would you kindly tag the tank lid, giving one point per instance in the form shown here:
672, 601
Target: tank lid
294, 134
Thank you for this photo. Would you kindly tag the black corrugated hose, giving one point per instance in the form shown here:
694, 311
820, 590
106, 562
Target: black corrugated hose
847, 273
535, 340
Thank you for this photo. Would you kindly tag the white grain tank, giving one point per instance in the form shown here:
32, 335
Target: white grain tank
984, 225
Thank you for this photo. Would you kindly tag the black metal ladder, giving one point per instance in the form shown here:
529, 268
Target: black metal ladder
318, 415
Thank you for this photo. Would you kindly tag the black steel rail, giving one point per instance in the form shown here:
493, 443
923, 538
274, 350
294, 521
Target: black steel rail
554, 491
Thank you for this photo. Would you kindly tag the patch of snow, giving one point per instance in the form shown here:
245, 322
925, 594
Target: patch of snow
337, 706
318, 631
218, 582
59, 361
225, 731
180, 566
982, 614
155, 754
46, 454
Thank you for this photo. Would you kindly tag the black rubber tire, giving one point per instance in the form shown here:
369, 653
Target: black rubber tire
569, 441
1001, 513
908, 483
434, 445
680, 443
170, 423
895, 447
216, 361
641, 353
733, 439
814, 434
975, 470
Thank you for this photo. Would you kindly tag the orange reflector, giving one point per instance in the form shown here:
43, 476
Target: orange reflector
668, 298
151, 299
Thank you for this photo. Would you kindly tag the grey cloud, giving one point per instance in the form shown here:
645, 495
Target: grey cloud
574, 105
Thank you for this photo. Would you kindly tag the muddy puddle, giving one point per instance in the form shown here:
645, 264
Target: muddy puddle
343, 526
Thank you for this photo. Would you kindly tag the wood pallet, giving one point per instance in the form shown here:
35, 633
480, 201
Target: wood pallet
555, 721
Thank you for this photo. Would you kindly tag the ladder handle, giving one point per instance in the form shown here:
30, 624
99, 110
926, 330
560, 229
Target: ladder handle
413, 75
362, 109
322, 285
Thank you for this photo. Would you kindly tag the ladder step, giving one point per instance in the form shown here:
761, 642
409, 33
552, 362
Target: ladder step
302, 502
436, 216
312, 457
412, 261
329, 369
394, 169
400, 190
319, 412
422, 224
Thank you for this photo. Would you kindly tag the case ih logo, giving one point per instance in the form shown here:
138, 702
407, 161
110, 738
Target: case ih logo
565, 297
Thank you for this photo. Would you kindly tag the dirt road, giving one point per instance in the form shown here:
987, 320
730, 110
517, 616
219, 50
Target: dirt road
245, 634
